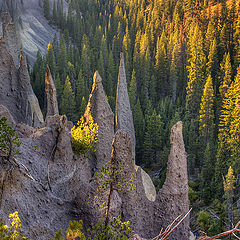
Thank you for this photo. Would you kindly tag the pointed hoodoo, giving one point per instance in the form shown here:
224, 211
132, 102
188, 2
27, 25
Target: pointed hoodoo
124, 117
10, 36
50, 89
102, 114
173, 197
34, 115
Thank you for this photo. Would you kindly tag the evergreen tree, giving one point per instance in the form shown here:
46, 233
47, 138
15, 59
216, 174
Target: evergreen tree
81, 89
54, 14
162, 65
139, 130
206, 118
227, 79
133, 90
62, 58
196, 72
207, 173
229, 186
46, 9
152, 139
59, 87
67, 105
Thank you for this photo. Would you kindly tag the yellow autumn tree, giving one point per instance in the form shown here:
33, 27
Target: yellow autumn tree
229, 126
85, 135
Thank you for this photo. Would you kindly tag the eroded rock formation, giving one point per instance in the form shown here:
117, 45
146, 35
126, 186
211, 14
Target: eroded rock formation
34, 30
33, 112
44, 211
16, 92
10, 36
50, 89
124, 117
173, 197
102, 114
63, 181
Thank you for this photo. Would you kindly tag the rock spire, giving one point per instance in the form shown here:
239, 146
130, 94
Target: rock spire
102, 114
34, 115
124, 117
52, 104
173, 197
10, 36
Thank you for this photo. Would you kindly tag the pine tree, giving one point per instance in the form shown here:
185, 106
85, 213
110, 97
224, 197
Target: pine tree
161, 65
227, 79
152, 139
67, 105
196, 72
81, 89
59, 87
207, 174
86, 60
229, 186
82, 107
54, 14
133, 90
139, 130
62, 59
46, 9
206, 118
51, 59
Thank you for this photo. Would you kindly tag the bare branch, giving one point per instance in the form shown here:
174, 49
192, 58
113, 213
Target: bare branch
171, 227
232, 231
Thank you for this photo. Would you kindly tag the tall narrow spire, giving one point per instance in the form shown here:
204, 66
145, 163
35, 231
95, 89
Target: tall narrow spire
50, 89
102, 114
173, 197
124, 117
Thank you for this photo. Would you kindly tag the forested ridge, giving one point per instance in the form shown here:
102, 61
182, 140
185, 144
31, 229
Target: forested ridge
182, 62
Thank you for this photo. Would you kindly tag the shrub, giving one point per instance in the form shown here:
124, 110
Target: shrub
84, 136
9, 140
12, 232
73, 232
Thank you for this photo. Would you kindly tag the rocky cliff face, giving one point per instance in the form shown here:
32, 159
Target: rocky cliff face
63, 181
34, 30
16, 92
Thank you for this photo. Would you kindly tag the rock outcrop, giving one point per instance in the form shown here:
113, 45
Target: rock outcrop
34, 30
124, 117
173, 197
50, 89
10, 36
16, 93
151, 213
63, 181
102, 114
5, 113
33, 113
48, 155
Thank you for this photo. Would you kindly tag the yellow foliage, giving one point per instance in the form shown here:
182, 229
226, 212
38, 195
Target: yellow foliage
49, 46
229, 181
13, 230
85, 135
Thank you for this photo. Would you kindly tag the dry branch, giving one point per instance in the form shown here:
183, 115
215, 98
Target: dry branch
171, 227
232, 231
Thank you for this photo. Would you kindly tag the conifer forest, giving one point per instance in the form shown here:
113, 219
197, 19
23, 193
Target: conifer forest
182, 60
